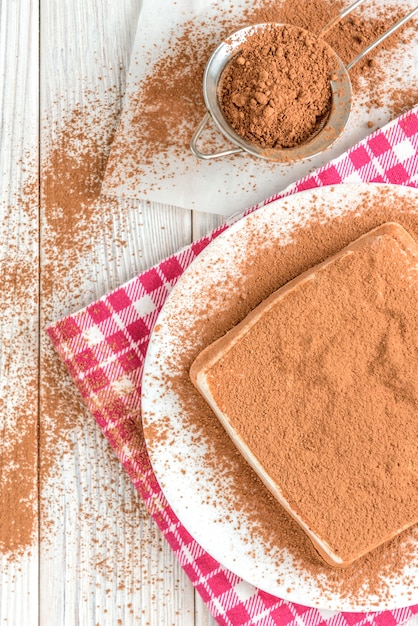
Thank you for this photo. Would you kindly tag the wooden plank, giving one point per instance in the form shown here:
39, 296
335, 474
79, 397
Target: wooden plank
18, 312
103, 560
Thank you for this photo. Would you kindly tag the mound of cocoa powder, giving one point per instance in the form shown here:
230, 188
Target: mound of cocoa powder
276, 90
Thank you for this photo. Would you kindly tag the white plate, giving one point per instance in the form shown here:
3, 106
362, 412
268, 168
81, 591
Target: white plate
201, 492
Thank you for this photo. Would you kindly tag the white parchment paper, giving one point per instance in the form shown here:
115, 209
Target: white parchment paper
230, 184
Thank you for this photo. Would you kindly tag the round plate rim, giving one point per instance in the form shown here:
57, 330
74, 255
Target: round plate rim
342, 604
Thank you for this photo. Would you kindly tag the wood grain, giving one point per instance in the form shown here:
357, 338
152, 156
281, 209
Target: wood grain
18, 300
102, 558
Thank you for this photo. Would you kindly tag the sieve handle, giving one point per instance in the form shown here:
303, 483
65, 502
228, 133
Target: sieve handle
379, 40
206, 155
339, 17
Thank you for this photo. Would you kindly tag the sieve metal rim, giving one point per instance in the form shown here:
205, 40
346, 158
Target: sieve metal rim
341, 92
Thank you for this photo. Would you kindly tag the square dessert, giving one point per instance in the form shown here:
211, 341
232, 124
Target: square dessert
318, 388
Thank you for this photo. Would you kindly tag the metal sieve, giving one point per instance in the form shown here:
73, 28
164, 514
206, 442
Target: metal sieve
328, 129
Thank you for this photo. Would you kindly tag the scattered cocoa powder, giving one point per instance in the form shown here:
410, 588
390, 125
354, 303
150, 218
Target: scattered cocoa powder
74, 218
18, 487
72, 171
79, 229
265, 269
18, 404
403, 99
276, 90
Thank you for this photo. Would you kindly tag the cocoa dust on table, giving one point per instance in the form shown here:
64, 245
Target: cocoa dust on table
74, 219
19, 429
268, 267
77, 220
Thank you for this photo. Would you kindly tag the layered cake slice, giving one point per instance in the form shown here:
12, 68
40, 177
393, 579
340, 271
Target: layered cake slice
318, 388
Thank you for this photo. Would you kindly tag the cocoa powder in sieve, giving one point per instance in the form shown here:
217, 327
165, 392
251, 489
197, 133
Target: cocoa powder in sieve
276, 90
169, 104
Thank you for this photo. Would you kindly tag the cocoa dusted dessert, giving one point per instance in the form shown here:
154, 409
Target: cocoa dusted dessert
318, 389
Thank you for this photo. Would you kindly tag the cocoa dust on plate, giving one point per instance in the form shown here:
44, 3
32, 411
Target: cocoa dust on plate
318, 386
267, 267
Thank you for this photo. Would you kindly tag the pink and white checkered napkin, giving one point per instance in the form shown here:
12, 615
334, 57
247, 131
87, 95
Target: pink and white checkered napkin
104, 346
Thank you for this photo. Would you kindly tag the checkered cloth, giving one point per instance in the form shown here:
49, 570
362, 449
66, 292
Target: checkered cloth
104, 345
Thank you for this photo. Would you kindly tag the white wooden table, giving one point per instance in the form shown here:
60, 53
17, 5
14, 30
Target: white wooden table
97, 558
